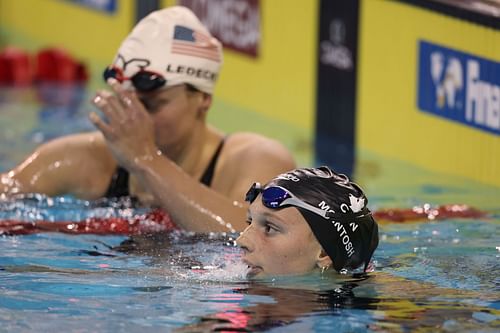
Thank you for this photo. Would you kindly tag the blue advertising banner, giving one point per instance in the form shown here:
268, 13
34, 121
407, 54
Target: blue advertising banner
107, 6
459, 86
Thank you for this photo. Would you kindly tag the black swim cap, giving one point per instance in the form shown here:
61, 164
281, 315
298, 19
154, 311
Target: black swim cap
348, 233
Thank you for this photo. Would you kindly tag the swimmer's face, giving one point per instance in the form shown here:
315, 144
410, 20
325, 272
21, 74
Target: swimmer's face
279, 242
178, 112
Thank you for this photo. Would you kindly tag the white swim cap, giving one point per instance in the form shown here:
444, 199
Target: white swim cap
173, 43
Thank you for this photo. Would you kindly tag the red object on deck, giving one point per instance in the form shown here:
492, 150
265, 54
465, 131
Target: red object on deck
15, 67
56, 65
18, 67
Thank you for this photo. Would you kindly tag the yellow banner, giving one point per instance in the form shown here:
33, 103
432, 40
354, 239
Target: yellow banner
391, 65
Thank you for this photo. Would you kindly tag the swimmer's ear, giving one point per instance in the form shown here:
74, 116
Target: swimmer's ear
206, 102
323, 261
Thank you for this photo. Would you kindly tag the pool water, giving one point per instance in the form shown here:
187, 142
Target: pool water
440, 276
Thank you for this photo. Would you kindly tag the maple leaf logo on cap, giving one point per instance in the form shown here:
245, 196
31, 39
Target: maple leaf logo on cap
357, 204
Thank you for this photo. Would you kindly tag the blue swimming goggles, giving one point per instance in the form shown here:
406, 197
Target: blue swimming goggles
278, 197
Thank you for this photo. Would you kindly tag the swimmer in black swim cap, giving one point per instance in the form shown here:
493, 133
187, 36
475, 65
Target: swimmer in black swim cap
340, 231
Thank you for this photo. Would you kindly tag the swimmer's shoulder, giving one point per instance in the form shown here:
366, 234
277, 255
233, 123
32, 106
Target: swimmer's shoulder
85, 155
90, 146
247, 158
254, 145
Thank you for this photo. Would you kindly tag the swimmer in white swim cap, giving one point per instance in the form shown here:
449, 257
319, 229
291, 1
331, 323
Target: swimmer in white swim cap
155, 143
167, 48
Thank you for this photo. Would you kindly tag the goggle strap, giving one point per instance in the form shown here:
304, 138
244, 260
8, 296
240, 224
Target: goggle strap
293, 201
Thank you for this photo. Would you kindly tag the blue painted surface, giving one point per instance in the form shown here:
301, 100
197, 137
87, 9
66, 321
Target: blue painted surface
106, 6
459, 86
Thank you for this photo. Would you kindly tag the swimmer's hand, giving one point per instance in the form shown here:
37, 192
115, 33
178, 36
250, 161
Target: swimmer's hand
129, 131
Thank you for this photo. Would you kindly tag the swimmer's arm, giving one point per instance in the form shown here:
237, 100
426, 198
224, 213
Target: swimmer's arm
191, 205
195, 207
36, 174
62, 166
129, 133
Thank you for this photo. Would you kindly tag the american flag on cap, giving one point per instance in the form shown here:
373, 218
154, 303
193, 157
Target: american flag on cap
193, 43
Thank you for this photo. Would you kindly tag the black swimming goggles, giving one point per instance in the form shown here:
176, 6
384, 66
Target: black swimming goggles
143, 80
275, 197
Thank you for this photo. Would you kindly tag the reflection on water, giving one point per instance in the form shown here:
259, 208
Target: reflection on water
187, 282
347, 306
129, 289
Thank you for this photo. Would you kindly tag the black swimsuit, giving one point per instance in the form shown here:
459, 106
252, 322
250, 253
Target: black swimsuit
118, 186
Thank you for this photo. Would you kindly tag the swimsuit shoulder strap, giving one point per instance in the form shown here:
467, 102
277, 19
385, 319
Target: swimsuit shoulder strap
209, 171
118, 187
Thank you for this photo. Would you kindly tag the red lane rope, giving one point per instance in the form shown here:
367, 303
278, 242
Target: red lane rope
428, 213
159, 221
152, 222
